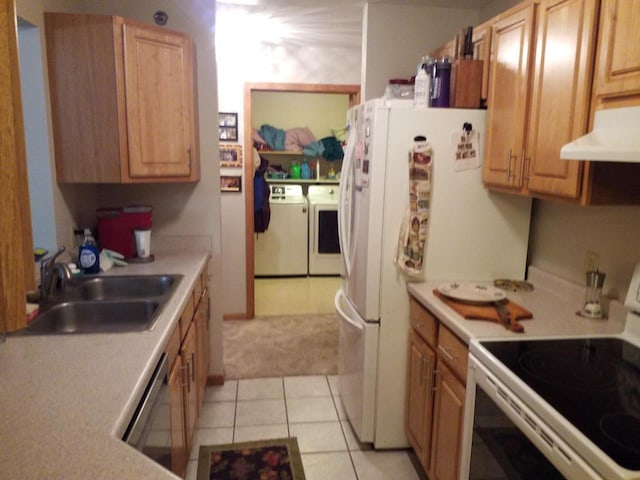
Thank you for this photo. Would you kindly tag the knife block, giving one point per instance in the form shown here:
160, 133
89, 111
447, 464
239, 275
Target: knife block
466, 83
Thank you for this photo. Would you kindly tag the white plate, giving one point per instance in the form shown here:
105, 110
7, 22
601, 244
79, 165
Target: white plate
472, 292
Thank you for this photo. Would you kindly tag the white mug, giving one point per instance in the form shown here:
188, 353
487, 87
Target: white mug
143, 242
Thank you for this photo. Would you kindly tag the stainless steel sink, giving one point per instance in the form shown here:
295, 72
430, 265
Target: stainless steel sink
105, 304
106, 288
109, 316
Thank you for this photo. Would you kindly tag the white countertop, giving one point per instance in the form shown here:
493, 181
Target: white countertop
553, 302
65, 400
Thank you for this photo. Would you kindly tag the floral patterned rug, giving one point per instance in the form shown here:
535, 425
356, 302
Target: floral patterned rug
277, 459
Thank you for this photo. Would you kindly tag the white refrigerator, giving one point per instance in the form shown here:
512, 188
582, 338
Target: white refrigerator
472, 234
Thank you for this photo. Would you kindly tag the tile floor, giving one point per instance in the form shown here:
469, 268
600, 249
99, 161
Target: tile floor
305, 407
295, 295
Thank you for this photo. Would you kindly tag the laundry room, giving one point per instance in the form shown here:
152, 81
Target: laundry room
295, 156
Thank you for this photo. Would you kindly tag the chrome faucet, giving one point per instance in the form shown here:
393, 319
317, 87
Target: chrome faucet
50, 272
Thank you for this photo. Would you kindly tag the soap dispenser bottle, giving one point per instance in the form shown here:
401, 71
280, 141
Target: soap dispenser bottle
89, 257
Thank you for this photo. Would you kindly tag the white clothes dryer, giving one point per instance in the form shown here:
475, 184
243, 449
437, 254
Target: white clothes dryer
282, 250
324, 246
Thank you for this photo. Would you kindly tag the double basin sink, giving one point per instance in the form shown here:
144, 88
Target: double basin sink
105, 304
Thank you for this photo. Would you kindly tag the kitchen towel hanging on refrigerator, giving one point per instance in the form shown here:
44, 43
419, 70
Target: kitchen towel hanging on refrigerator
413, 230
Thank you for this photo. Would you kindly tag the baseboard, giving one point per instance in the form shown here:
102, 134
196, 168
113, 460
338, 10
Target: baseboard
215, 380
236, 316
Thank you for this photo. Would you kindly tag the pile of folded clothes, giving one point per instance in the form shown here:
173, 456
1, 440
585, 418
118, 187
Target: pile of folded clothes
299, 140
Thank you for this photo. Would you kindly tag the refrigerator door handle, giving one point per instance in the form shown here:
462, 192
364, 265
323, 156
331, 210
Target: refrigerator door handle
344, 236
342, 313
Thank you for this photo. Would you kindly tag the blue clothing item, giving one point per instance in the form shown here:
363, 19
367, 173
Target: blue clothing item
274, 137
332, 148
314, 149
261, 193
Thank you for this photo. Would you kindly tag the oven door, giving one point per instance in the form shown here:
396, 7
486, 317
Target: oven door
504, 439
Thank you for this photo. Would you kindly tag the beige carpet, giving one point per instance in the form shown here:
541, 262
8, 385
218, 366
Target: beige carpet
281, 346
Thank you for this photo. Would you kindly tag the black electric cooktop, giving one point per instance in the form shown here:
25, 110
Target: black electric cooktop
593, 383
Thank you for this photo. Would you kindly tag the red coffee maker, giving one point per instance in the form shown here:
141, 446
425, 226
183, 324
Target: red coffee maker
116, 225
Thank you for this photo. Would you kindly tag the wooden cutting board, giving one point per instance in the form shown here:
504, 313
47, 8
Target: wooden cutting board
474, 311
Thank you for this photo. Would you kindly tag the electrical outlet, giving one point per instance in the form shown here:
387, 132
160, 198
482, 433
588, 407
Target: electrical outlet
591, 261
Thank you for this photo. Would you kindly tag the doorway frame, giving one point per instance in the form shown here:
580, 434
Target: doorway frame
249, 88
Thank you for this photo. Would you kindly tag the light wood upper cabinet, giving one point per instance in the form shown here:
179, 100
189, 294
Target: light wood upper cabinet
482, 51
618, 65
511, 40
123, 101
561, 94
449, 49
16, 243
539, 97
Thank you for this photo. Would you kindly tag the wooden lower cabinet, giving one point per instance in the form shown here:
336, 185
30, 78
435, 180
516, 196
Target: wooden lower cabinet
448, 415
421, 365
201, 321
189, 350
179, 452
435, 395
189, 357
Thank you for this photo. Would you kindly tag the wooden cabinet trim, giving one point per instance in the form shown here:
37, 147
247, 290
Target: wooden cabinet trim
16, 245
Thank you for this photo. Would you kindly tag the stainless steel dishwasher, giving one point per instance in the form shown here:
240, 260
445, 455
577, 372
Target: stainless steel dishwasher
149, 430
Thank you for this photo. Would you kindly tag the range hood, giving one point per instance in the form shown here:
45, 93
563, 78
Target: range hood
615, 138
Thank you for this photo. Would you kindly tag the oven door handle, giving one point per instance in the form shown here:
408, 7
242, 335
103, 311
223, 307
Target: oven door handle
149, 398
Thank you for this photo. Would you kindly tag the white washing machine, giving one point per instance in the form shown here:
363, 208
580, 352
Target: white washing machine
324, 246
282, 250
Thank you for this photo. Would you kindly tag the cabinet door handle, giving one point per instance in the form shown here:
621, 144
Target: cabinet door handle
434, 382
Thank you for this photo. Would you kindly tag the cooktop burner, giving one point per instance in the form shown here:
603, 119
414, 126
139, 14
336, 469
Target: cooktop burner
578, 370
593, 383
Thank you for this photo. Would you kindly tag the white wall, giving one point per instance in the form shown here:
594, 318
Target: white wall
275, 43
34, 106
561, 235
313, 44
187, 214
496, 7
397, 36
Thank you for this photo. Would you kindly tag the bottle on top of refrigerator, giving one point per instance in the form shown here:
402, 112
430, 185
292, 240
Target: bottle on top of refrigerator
421, 87
89, 257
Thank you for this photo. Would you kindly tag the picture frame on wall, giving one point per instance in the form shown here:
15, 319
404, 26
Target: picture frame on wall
230, 183
228, 126
230, 156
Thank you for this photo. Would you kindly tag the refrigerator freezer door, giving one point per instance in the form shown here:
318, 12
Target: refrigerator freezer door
361, 199
357, 365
